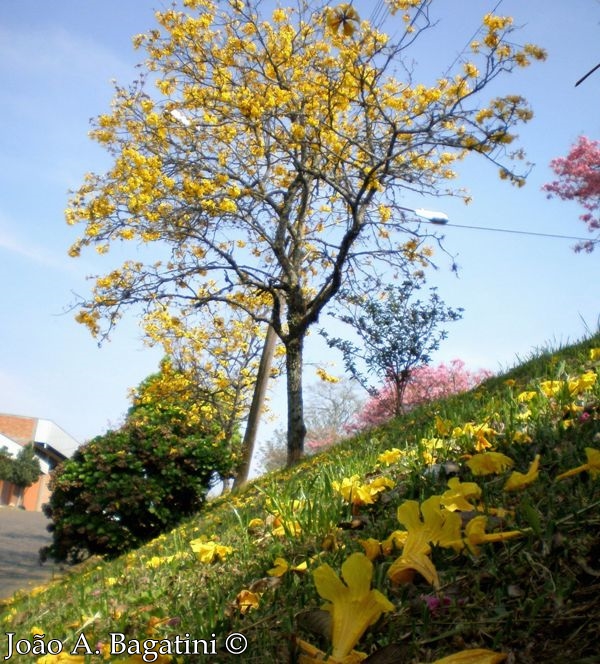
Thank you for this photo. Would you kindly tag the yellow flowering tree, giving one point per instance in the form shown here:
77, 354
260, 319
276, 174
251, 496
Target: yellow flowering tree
267, 156
215, 364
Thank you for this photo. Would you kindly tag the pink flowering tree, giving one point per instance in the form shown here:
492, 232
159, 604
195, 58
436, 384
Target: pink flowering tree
578, 179
426, 384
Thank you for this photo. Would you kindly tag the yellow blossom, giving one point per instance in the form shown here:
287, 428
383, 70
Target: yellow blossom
372, 547
526, 396
475, 534
592, 465
325, 377
282, 566
519, 480
353, 605
456, 497
208, 552
410, 561
426, 524
488, 463
255, 523
521, 437
390, 456
286, 528
582, 383
355, 492
594, 354
246, 600
395, 540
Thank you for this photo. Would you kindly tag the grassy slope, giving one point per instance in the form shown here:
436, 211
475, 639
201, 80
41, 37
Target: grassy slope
535, 598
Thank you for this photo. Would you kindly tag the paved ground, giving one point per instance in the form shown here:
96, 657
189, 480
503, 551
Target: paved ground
22, 535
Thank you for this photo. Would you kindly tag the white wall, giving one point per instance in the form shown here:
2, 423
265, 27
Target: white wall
51, 434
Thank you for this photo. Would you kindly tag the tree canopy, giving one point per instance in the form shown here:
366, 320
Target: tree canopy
270, 156
578, 179
398, 333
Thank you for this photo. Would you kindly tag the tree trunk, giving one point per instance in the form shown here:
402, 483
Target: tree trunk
258, 397
296, 429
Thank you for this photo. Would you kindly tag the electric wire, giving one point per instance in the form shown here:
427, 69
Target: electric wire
514, 231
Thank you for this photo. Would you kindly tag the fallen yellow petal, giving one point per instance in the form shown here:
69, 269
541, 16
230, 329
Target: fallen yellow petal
519, 480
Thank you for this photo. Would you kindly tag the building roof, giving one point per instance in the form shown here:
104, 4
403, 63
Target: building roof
44, 433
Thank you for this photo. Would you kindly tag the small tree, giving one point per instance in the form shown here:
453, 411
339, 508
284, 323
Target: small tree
21, 471
26, 467
579, 180
397, 334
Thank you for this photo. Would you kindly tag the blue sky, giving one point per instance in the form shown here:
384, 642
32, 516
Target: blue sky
56, 63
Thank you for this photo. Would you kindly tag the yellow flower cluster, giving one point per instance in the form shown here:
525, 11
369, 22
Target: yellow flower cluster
355, 492
210, 551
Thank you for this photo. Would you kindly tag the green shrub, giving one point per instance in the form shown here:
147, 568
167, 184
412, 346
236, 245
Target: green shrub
128, 486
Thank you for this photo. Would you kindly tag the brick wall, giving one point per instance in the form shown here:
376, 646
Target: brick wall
20, 429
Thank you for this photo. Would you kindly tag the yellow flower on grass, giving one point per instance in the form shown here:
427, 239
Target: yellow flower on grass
521, 437
594, 354
583, 383
475, 534
437, 526
426, 524
412, 560
355, 492
475, 656
255, 523
372, 547
488, 463
153, 563
519, 480
61, 658
526, 397
353, 605
592, 465
456, 498
246, 600
208, 552
396, 540
390, 456
282, 566
286, 528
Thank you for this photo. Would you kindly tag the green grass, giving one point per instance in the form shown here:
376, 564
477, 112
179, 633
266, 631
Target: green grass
535, 598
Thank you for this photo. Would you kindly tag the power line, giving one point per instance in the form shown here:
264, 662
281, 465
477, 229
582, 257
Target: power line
518, 232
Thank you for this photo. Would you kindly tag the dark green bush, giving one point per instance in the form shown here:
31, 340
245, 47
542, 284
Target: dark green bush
128, 486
